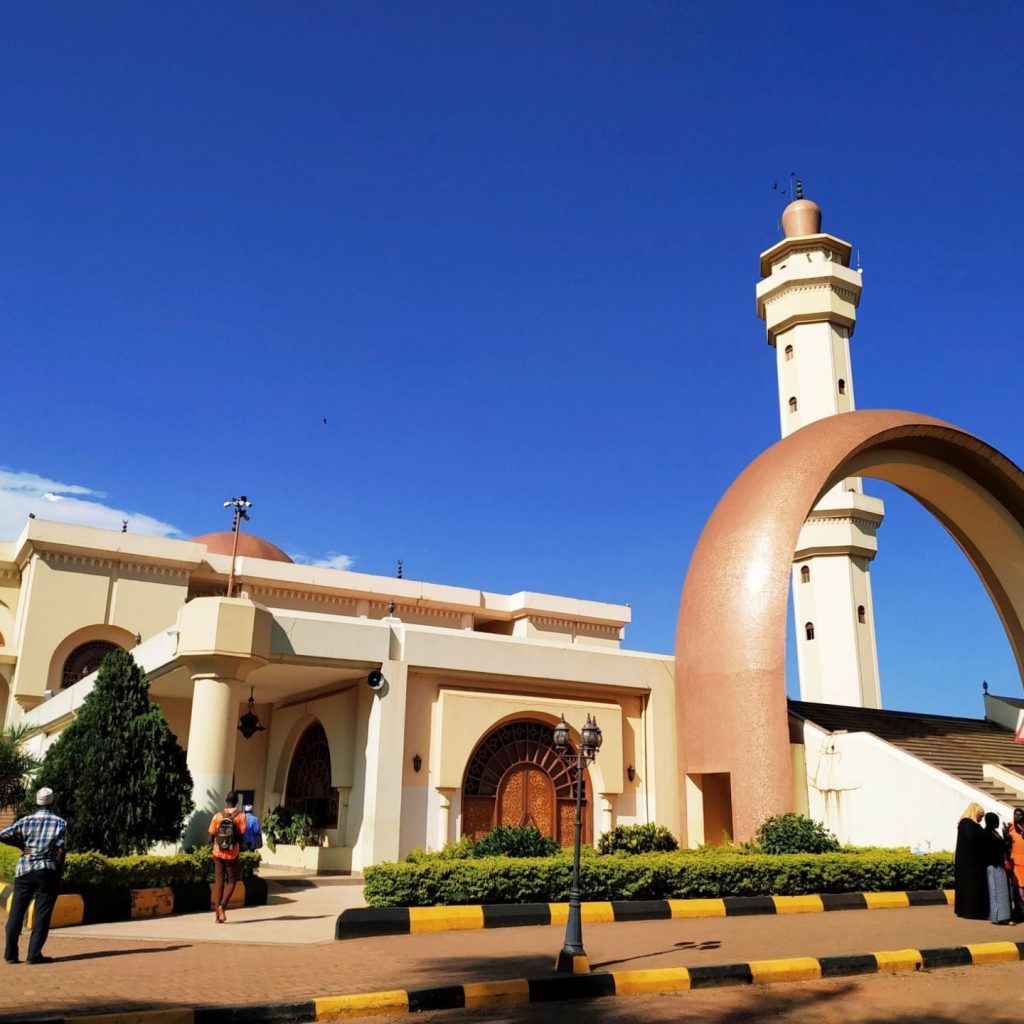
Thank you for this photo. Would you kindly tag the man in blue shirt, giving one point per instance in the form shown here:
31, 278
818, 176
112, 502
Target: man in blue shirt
253, 837
42, 839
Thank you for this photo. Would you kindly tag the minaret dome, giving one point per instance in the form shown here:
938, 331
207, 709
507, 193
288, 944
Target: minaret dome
801, 217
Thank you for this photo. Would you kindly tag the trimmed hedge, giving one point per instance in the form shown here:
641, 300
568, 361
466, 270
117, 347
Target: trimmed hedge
87, 871
652, 876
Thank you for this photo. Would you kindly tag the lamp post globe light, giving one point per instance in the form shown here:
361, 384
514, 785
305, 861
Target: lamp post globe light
573, 959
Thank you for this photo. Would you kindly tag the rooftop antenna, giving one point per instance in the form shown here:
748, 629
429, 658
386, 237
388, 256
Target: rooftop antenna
399, 572
798, 186
124, 525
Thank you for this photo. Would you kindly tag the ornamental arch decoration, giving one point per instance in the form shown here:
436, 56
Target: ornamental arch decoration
514, 777
731, 634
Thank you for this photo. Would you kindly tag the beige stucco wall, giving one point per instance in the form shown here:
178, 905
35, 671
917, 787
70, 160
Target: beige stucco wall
70, 601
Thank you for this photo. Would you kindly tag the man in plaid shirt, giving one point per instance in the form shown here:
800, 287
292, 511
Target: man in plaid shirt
42, 839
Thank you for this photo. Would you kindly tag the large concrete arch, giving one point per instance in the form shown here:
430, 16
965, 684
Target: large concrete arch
731, 634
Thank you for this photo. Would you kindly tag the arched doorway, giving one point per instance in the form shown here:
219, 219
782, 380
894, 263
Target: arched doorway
515, 778
309, 789
731, 638
83, 660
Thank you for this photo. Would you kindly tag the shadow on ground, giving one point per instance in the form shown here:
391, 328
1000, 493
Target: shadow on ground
102, 954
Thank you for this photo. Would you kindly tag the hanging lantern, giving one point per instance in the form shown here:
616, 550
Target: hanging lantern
249, 723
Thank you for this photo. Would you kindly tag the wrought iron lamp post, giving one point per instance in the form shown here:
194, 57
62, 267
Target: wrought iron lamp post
573, 959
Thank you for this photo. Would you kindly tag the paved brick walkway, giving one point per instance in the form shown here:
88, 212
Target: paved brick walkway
98, 974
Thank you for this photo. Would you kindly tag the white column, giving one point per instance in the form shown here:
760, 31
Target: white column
444, 814
211, 749
378, 838
607, 804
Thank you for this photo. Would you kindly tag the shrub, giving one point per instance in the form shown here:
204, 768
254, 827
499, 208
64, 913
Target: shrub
91, 870
649, 876
795, 833
647, 838
118, 774
460, 850
506, 841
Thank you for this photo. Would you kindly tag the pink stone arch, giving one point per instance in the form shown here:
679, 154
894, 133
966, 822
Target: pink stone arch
731, 634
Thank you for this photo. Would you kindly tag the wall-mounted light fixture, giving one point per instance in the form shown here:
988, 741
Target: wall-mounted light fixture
249, 723
631, 773
417, 762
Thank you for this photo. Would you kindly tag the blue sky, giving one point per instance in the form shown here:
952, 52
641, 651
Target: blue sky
509, 252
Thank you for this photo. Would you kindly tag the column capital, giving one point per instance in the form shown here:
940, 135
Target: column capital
224, 637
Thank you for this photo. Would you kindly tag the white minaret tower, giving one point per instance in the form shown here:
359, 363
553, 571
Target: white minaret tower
808, 300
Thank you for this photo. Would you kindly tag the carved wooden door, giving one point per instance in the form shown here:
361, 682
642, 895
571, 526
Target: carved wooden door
527, 797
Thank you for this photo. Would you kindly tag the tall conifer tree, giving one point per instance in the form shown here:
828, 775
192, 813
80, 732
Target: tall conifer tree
118, 774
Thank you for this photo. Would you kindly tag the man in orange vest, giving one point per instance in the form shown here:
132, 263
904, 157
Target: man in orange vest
226, 831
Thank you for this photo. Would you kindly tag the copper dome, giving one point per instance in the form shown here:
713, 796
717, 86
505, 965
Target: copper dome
249, 546
801, 217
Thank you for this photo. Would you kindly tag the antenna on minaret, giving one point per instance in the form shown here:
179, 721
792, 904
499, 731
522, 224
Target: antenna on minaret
984, 687
124, 525
399, 572
798, 187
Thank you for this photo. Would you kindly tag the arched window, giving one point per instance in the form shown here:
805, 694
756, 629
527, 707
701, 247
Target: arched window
862, 616
809, 630
309, 779
805, 574
789, 352
83, 660
842, 386
792, 404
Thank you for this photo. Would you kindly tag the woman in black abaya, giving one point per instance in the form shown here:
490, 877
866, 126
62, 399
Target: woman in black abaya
970, 867
999, 908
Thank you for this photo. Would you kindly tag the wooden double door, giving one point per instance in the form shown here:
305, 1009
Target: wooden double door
516, 779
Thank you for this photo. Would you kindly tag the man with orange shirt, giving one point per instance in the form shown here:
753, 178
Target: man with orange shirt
226, 831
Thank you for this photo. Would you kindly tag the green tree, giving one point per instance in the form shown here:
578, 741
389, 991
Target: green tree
118, 774
16, 766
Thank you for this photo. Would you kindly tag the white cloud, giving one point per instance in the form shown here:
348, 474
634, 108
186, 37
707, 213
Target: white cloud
331, 560
22, 493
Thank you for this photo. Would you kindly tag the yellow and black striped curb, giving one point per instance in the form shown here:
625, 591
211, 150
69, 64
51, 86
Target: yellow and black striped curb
568, 986
361, 922
103, 905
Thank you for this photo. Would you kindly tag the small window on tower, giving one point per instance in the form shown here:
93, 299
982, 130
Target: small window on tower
842, 386
862, 616
789, 353
792, 405
805, 574
809, 630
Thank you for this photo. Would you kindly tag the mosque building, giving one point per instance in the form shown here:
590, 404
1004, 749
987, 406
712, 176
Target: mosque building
402, 714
